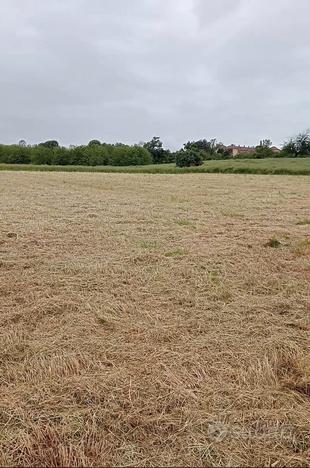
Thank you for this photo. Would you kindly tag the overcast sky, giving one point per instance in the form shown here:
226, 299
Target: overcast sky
125, 70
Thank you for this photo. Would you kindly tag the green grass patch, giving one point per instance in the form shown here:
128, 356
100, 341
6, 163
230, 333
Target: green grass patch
214, 276
183, 222
273, 242
232, 214
303, 222
289, 166
175, 253
147, 244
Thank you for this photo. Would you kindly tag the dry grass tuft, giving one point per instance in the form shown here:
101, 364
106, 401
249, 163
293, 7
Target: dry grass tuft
303, 222
303, 247
145, 323
273, 242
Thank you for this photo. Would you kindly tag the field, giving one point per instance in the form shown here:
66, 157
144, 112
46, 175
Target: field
289, 166
154, 320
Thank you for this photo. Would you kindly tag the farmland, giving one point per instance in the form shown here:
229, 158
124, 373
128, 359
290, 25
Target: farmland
154, 320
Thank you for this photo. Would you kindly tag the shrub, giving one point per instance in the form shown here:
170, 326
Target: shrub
207, 147
262, 152
222, 153
298, 146
187, 158
60, 156
15, 154
129, 156
78, 156
98, 155
41, 155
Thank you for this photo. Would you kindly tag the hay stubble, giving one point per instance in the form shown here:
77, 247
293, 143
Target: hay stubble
144, 321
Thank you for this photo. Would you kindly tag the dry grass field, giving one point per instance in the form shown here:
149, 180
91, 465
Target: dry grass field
154, 320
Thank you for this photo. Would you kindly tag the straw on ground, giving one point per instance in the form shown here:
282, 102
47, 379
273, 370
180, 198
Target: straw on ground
145, 320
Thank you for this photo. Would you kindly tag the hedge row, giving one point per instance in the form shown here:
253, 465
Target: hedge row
96, 155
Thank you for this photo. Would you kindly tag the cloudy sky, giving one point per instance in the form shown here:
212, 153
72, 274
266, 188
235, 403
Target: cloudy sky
125, 70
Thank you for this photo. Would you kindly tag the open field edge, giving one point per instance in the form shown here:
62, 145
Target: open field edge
287, 166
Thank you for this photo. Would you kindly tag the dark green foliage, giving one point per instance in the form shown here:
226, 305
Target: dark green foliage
289, 148
169, 156
205, 146
60, 156
41, 155
206, 149
51, 144
94, 143
223, 153
190, 157
96, 153
90, 155
129, 156
262, 152
265, 143
298, 146
158, 153
15, 154
78, 156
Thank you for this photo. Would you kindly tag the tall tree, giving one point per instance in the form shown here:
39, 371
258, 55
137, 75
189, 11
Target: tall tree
94, 143
158, 153
265, 143
208, 148
298, 146
51, 144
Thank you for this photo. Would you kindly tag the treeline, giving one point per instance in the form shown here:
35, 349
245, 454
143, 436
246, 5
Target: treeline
96, 153
194, 153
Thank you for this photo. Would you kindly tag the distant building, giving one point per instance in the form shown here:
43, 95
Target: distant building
235, 150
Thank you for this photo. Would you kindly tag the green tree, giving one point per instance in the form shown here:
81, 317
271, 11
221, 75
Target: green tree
223, 153
78, 156
158, 153
189, 157
265, 143
15, 154
298, 146
41, 155
60, 156
51, 144
98, 155
94, 143
129, 156
207, 149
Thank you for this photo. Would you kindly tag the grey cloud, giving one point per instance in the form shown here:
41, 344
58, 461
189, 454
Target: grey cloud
124, 70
